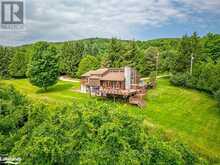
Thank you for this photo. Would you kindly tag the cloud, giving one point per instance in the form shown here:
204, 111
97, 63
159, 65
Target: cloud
58, 20
203, 5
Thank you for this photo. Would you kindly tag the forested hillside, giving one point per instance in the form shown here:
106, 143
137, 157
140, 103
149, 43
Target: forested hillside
109, 52
193, 60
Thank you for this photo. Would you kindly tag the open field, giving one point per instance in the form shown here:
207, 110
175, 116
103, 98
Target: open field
191, 115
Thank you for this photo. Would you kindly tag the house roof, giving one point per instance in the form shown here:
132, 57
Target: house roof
100, 71
94, 77
96, 72
114, 76
106, 74
87, 74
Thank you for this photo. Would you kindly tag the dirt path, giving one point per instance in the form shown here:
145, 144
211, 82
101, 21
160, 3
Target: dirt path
69, 79
158, 77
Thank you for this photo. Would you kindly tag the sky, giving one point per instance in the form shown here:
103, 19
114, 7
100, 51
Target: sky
62, 20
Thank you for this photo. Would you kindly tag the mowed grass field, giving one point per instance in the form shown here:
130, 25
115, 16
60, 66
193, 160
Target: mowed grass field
190, 115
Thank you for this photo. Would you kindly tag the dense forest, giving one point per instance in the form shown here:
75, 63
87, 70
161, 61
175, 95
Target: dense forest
193, 61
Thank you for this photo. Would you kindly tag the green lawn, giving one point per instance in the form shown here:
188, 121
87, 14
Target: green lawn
191, 115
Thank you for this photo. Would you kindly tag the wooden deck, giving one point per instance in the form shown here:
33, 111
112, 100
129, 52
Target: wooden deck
119, 92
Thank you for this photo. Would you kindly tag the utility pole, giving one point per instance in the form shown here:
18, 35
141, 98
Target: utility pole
191, 66
157, 62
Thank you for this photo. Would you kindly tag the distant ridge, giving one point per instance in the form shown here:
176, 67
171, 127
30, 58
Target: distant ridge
96, 39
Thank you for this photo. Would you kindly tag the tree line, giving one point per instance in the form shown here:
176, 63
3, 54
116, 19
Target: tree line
197, 63
192, 60
75, 58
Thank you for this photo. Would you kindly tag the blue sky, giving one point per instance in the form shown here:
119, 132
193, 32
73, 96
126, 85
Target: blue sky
61, 20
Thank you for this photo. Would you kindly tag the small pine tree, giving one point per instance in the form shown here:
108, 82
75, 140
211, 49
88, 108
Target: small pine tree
6, 55
18, 64
43, 70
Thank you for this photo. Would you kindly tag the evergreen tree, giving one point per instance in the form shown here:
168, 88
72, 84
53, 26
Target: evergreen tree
196, 47
149, 61
6, 55
104, 60
168, 60
91, 48
18, 64
188, 47
95, 50
212, 46
131, 56
115, 51
184, 56
71, 55
43, 70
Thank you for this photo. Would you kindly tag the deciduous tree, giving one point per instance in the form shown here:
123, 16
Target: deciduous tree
86, 64
149, 61
43, 70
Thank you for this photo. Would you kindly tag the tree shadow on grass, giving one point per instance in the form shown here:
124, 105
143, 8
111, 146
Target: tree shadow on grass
56, 88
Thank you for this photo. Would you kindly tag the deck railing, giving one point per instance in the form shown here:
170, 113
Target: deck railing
116, 91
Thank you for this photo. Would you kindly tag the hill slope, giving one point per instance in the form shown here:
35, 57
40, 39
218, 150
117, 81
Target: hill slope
189, 114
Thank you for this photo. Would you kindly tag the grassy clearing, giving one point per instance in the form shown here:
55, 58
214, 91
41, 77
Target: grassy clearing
193, 115
189, 114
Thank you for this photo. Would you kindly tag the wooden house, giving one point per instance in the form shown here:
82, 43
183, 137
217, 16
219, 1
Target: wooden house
121, 82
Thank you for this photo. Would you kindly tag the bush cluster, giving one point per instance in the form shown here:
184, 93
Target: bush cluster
179, 79
88, 133
206, 77
217, 96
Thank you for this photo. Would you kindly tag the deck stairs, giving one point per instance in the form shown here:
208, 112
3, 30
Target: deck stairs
137, 100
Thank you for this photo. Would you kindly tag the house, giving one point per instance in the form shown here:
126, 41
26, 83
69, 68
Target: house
115, 82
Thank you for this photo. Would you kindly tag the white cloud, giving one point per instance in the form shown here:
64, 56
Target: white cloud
57, 20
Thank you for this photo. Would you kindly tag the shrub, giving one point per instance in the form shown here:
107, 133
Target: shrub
189, 157
217, 96
163, 153
179, 79
13, 116
87, 133
153, 76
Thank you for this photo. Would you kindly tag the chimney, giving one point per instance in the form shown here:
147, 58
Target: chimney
127, 73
